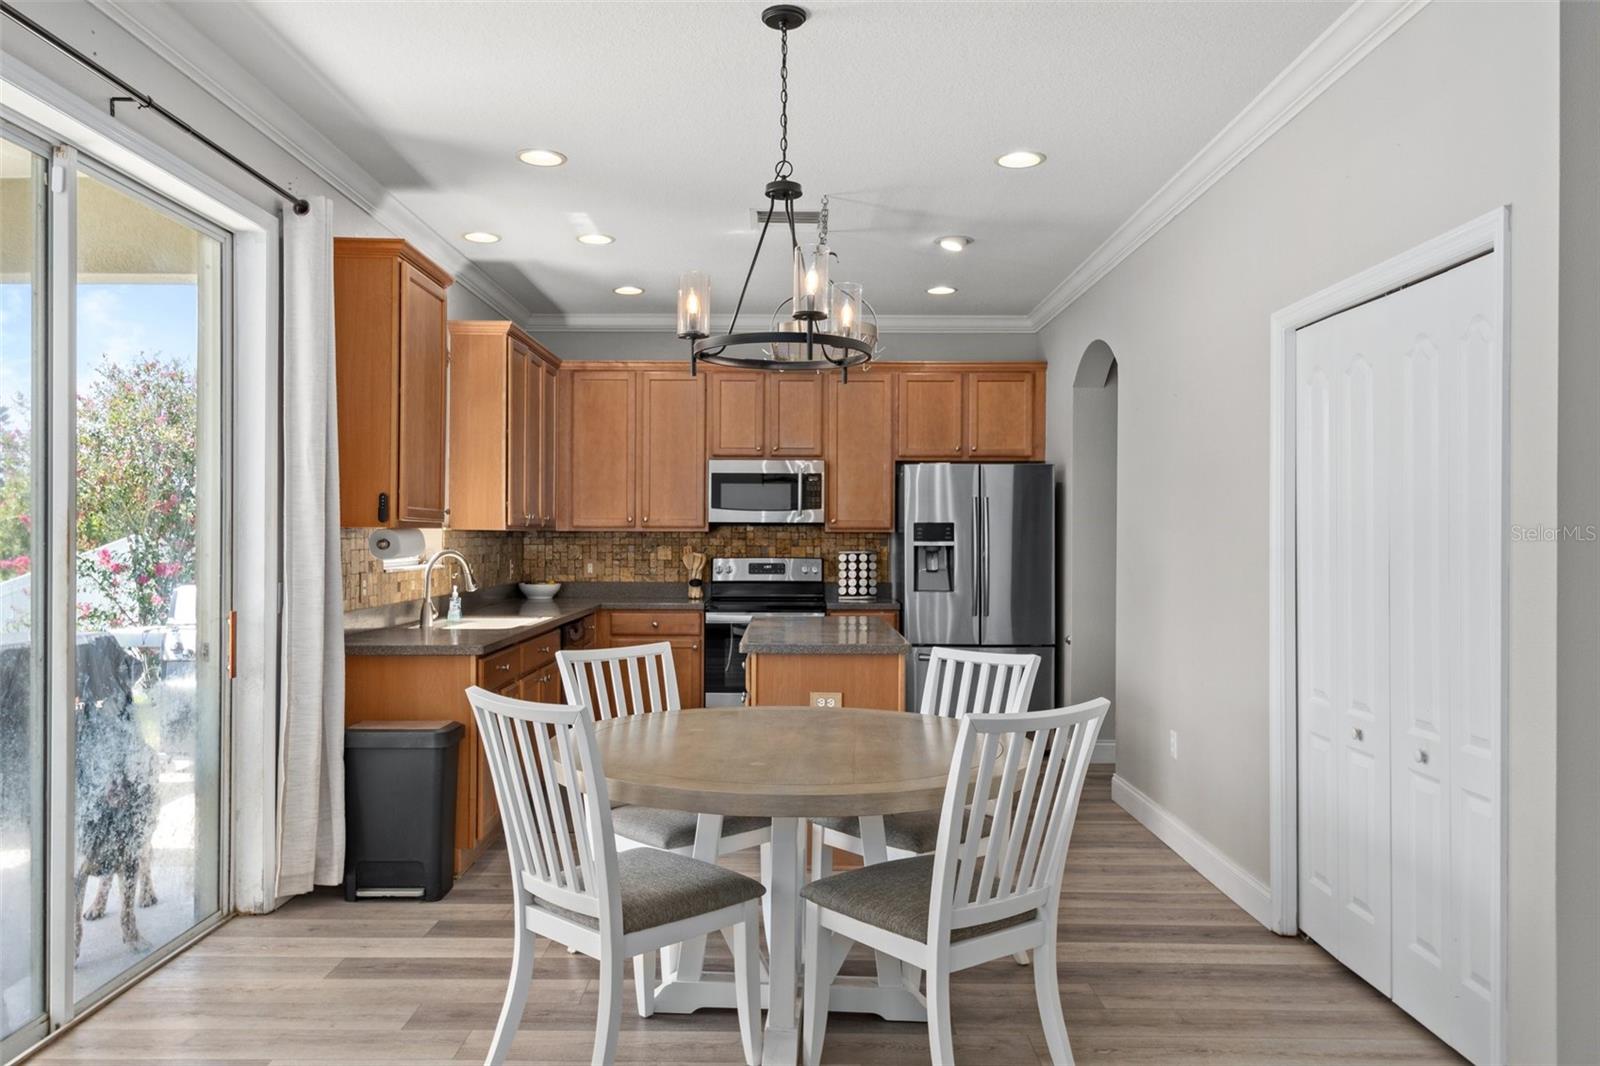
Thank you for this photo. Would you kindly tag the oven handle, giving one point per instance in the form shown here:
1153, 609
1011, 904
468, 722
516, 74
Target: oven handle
728, 618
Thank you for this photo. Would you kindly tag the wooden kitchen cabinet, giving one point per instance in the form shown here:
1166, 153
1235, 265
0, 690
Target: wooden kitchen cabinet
501, 428
971, 412
858, 483
756, 413
392, 377
672, 461
684, 630
600, 412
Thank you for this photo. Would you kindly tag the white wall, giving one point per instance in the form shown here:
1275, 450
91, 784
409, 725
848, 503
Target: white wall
1452, 116
1092, 545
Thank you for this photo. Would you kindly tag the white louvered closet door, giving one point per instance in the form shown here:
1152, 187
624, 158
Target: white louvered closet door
1400, 645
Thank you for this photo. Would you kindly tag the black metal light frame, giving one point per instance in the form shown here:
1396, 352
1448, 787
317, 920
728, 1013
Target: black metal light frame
820, 347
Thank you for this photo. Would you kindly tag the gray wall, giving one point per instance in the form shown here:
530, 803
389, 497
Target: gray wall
1577, 779
1092, 544
1453, 116
600, 344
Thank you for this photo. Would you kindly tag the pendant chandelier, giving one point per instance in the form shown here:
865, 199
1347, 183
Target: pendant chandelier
824, 325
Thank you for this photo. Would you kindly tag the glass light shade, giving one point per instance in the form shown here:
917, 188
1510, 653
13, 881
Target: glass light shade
844, 311
694, 305
790, 351
811, 282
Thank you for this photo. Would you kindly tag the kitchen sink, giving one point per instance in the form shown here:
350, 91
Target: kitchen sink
483, 623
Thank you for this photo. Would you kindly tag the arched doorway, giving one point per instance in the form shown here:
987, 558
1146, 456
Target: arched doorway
1092, 535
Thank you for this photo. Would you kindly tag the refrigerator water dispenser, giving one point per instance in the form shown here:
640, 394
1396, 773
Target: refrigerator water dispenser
933, 546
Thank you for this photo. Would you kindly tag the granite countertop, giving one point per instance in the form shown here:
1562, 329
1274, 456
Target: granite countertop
839, 635
885, 600
494, 620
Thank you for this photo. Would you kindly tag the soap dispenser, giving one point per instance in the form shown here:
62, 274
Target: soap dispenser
454, 614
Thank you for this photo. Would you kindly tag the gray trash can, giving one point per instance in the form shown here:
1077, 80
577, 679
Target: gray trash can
400, 809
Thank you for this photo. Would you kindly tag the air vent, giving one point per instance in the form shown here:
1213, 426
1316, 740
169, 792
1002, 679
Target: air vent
758, 215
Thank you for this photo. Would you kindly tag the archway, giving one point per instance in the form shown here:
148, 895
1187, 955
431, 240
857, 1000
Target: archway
1092, 536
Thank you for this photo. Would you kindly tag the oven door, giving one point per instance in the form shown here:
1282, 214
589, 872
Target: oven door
764, 490
724, 665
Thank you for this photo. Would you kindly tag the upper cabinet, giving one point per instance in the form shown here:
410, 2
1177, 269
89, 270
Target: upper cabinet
971, 411
392, 374
502, 433
859, 481
632, 450
756, 413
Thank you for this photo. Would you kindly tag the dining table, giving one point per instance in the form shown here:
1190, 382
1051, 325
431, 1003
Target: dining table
787, 764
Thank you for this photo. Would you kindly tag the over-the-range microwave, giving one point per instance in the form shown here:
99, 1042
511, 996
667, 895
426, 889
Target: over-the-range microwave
764, 490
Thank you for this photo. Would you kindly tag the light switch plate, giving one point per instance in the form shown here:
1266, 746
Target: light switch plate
827, 699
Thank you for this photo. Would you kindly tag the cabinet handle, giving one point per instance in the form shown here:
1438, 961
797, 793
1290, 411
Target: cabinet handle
502, 666
1422, 757
1358, 733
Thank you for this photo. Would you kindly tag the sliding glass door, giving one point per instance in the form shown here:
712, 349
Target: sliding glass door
112, 580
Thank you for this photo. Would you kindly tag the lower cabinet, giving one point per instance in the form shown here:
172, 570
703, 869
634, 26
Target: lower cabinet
684, 630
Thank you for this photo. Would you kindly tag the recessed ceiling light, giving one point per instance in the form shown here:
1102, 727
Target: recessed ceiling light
954, 243
595, 238
541, 157
628, 290
478, 236
942, 290
1020, 160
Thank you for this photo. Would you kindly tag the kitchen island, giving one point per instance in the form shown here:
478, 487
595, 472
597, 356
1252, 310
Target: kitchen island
837, 661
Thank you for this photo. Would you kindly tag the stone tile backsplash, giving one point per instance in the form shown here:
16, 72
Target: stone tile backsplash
497, 558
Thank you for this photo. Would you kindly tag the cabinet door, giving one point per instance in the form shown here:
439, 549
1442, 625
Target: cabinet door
602, 449
547, 446
424, 384
1001, 414
735, 424
672, 458
688, 661
860, 454
518, 427
930, 414
794, 414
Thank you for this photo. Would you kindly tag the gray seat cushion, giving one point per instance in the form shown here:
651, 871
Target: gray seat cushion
658, 887
894, 896
661, 828
917, 832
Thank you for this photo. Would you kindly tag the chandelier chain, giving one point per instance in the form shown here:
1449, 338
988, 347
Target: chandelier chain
784, 168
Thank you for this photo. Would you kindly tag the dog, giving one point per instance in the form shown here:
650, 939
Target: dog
117, 795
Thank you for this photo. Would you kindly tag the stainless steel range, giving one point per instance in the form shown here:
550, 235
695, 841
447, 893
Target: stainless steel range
741, 589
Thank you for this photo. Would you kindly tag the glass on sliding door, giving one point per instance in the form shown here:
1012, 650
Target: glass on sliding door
22, 723
148, 578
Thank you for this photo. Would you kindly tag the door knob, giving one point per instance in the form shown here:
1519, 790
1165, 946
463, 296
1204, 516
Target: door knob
1358, 733
1422, 757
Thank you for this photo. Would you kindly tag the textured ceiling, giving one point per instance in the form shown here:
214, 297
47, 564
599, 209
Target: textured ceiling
667, 112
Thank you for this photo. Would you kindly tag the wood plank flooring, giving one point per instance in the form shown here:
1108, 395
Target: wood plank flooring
1156, 966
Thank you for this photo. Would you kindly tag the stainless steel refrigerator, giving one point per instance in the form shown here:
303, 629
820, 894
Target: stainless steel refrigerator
975, 561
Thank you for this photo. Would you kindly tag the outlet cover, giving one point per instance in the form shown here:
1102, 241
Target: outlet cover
827, 699
588, 568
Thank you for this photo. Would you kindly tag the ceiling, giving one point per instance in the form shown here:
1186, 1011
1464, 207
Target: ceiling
668, 114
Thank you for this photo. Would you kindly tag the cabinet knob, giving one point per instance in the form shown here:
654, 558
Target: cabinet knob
654, 624
1422, 757
630, 518
1358, 733
502, 666
694, 647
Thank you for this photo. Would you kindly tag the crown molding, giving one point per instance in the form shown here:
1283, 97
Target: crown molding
165, 31
667, 323
1363, 26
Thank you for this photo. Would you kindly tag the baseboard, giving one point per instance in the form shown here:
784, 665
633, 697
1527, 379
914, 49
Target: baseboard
1104, 751
1235, 882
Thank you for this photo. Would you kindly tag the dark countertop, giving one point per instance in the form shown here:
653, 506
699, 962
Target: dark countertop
884, 601
494, 621
802, 635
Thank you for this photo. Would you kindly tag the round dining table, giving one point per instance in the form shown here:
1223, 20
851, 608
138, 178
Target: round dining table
786, 764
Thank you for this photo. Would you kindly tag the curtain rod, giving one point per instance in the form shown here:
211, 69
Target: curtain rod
145, 100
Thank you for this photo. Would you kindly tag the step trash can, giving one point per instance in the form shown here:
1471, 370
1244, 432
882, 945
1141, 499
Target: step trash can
400, 809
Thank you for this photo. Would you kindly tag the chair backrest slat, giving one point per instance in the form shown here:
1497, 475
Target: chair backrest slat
552, 792
984, 874
962, 681
617, 682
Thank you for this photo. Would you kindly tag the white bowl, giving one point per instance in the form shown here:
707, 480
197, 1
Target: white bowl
540, 592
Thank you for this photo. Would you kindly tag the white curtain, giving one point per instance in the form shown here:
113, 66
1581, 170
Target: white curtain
311, 717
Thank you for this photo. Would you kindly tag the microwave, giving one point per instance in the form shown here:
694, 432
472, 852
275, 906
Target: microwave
764, 490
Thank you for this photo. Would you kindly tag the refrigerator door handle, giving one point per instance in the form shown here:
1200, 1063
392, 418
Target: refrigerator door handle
977, 553
986, 557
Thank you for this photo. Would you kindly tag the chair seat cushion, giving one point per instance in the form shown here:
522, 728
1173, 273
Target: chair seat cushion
894, 896
918, 832
658, 887
661, 828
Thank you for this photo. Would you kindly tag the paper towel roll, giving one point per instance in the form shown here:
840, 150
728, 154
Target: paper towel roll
397, 546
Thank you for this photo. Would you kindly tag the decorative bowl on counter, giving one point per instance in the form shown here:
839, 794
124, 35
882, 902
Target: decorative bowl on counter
540, 591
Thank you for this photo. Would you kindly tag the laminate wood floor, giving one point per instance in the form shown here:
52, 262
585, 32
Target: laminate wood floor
1156, 966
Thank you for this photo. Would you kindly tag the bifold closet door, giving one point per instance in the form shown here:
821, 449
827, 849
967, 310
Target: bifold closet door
1399, 548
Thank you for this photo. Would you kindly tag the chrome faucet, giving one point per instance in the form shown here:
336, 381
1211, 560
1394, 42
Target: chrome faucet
429, 614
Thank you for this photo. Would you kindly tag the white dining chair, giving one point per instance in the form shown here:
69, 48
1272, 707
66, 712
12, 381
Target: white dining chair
959, 682
572, 885
992, 886
617, 682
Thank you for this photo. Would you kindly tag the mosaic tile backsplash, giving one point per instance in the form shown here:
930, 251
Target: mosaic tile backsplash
497, 558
